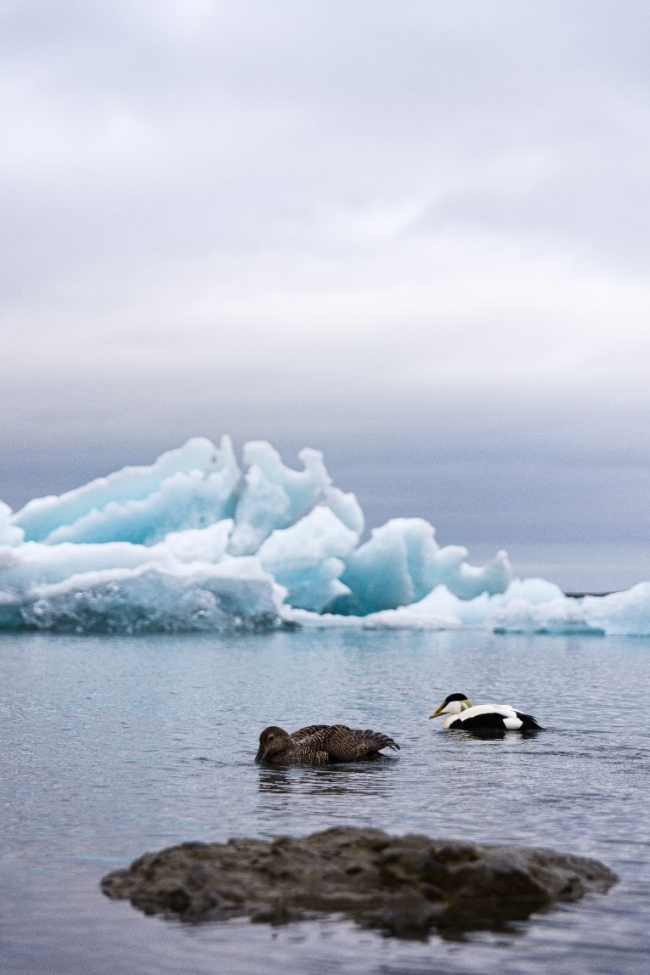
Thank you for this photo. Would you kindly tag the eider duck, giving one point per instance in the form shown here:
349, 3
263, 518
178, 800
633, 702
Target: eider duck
319, 744
461, 713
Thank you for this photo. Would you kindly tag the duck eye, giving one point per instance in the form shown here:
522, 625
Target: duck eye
271, 737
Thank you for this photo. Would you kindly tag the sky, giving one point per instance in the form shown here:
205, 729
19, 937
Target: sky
411, 234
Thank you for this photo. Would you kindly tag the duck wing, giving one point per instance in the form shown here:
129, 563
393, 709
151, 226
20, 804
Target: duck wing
494, 717
345, 744
484, 721
307, 732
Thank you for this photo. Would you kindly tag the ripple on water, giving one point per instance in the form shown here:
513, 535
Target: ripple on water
115, 746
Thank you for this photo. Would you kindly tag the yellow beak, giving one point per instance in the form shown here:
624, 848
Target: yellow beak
437, 713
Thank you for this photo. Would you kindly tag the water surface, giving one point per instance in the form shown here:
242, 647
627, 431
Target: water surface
114, 746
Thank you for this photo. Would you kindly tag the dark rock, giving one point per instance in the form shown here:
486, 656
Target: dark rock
405, 885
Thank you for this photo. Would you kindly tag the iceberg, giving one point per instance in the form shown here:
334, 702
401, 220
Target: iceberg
309, 558
150, 598
274, 496
10, 534
190, 543
402, 563
191, 487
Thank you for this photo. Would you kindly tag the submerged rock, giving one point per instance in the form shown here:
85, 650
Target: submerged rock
405, 885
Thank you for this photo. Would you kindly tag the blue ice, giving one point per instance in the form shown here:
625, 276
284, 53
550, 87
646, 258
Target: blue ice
190, 543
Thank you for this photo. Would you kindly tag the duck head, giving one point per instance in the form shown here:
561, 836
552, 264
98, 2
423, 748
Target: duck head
453, 704
272, 741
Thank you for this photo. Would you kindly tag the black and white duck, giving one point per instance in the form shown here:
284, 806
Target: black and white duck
462, 714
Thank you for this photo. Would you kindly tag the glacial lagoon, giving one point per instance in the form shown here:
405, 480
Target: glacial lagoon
116, 745
154, 621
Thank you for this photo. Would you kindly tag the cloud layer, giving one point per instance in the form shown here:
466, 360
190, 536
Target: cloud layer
412, 234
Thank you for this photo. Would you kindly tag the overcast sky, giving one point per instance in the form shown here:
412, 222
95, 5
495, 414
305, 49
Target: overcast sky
412, 234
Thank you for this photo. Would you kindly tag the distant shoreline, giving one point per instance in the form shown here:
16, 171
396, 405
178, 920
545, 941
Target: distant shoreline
579, 595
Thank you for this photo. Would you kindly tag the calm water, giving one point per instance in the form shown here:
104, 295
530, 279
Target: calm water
111, 747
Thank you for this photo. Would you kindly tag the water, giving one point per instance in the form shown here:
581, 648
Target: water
113, 746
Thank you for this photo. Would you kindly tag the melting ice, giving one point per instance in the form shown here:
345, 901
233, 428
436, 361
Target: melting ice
191, 543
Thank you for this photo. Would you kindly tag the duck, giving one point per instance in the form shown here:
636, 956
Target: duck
319, 744
462, 714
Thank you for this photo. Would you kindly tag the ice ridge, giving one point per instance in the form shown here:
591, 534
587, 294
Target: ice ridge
190, 543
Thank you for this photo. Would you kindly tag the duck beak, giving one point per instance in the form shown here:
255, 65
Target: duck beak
437, 713
260, 754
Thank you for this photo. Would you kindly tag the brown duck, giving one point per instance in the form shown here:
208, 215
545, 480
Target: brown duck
319, 744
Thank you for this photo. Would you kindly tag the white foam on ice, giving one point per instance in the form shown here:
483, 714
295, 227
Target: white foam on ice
189, 544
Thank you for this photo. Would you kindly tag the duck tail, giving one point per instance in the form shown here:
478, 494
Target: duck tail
379, 740
530, 723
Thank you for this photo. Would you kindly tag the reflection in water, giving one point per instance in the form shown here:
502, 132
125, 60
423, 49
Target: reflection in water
361, 778
496, 734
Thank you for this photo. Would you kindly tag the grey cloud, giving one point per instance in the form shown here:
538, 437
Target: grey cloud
412, 234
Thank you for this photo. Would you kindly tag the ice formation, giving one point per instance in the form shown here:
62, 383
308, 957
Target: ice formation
191, 487
191, 544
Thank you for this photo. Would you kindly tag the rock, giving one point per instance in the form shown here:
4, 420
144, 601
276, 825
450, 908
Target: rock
405, 885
